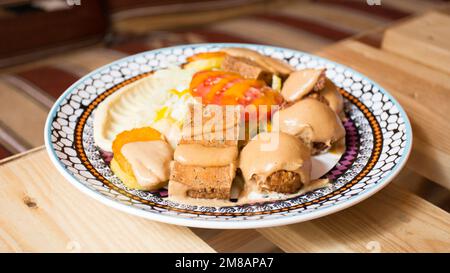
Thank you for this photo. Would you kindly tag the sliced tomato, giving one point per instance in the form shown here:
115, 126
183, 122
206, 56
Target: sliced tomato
227, 88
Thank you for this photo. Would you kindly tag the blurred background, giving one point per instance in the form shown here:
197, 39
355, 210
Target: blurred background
46, 45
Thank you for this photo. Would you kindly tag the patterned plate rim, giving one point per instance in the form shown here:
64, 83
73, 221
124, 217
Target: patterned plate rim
228, 224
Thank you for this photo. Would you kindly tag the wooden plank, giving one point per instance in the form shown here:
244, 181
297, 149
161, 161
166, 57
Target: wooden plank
20, 155
236, 240
90, 59
145, 19
423, 39
56, 59
423, 92
415, 6
390, 221
22, 114
41, 212
273, 34
424, 188
332, 15
430, 162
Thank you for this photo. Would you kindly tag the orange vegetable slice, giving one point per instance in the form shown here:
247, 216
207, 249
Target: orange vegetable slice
205, 61
119, 164
206, 55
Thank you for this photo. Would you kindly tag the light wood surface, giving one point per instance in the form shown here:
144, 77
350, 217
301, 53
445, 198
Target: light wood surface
272, 34
330, 14
147, 20
424, 39
415, 6
41, 212
390, 221
18, 119
39, 196
236, 240
423, 92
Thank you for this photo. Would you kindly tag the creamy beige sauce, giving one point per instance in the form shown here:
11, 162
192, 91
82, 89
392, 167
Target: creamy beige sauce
199, 155
325, 124
264, 155
338, 147
300, 83
271, 64
334, 98
149, 160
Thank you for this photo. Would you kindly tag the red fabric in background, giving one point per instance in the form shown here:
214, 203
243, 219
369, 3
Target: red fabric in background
120, 5
4, 152
33, 31
49, 79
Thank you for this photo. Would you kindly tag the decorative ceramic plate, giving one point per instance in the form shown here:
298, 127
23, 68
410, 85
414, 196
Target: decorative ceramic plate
378, 142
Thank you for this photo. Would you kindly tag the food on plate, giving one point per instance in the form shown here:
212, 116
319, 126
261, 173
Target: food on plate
273, 65
333, 97
312, 121
205, 160
276, 162
246, 68
229, 88
189, 128
205, 61
158, 98
312, 83
141, 158
215, 122
276, 83
200, 182
302, 82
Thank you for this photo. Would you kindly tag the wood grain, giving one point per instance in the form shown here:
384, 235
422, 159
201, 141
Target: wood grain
415, 6
41, 212
424, 39
390, 221
331, 14
236, 240
414, 183
423, 92
273, 34
90, 59
431, 162
23, 115
141, 23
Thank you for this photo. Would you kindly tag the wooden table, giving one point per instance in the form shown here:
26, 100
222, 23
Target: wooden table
40, 212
